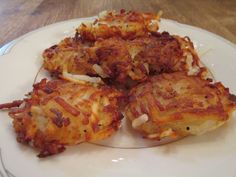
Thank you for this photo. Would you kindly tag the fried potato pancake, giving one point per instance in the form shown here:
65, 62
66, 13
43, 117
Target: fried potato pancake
123, 60
69, 55
127, 25
60, 113
170, 105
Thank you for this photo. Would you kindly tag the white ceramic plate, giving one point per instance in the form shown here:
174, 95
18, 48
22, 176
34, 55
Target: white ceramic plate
210, 155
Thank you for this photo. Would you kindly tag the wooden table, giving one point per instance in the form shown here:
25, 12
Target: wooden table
18, 17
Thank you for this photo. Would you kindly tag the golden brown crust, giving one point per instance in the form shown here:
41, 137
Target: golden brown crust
70, 55
181, 103
127, 25
61, 113
123, 60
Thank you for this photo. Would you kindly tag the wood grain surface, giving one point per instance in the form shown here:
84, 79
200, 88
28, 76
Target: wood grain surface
18, 17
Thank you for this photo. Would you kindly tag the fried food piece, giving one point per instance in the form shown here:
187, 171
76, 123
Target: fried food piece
165, 53
127, 25
176, 105
69, 55
122, 60
60, 113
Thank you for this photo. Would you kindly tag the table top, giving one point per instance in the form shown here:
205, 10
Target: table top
18, 17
